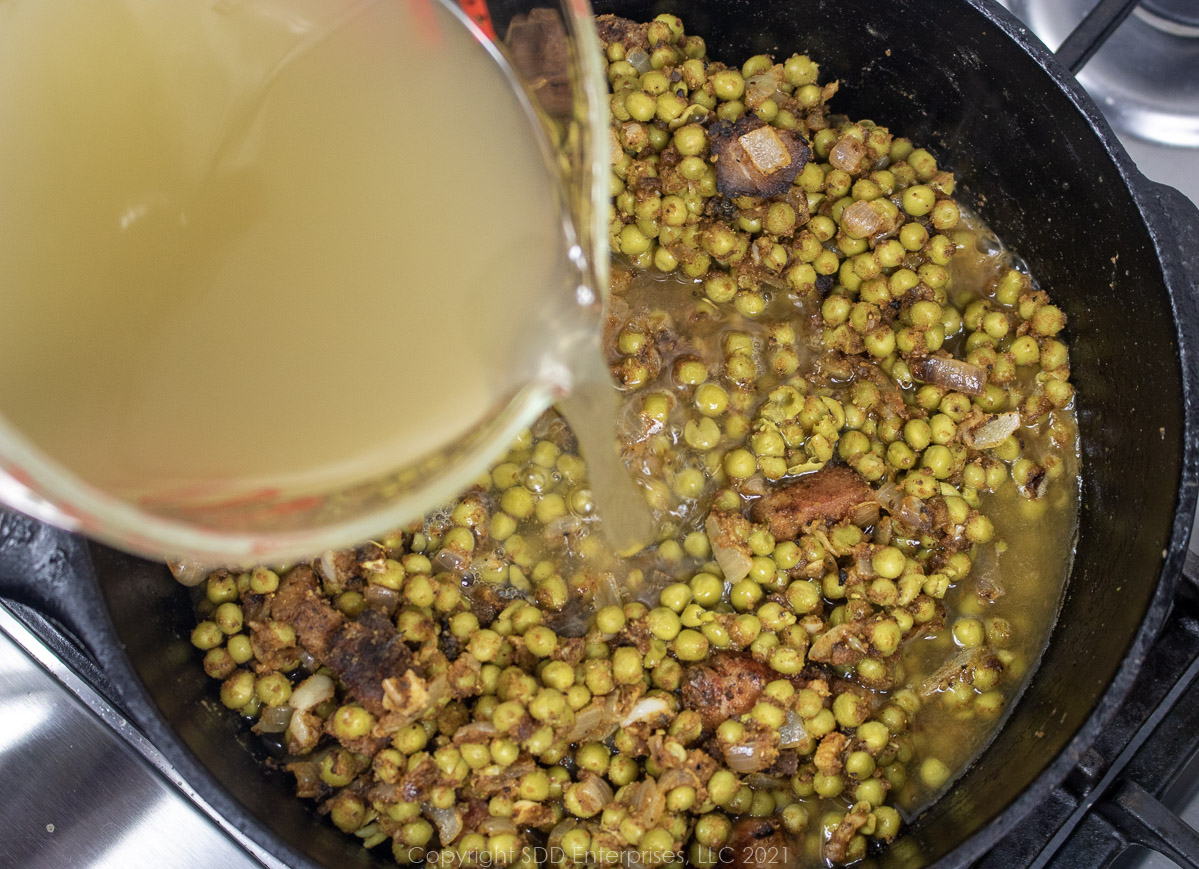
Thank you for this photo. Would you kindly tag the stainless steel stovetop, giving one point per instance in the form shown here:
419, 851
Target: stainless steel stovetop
83, 790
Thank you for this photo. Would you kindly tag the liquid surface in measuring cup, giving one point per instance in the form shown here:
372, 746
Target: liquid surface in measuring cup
234, 262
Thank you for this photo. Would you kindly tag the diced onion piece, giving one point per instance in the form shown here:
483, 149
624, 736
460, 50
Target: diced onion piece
640, 60
314, 690
303, 732
847, 154
593, 794
734, 563
447, 822
327, 566
766, 150
497, 826
607, 592
308, 776
593, 723
864, 565
763, 86
987, 577
476, 731
189, 573
761, 781
381, 597
367, 831
743, 758
950, 374
646, 708
792, 733
648, 802
992, 431
275, 719
449, 561
861, 220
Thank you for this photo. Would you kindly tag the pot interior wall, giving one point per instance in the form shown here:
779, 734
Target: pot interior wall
1041, 176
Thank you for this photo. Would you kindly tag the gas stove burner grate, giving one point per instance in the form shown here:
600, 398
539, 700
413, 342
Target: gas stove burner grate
1146, 76
1180, 17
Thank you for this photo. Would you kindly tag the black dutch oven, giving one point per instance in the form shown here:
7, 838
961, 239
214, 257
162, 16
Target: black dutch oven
1119, 254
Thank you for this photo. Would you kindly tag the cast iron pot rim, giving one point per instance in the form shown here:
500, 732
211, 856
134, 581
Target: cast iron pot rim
142, 707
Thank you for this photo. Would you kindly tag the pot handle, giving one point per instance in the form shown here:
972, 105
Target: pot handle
1176, 220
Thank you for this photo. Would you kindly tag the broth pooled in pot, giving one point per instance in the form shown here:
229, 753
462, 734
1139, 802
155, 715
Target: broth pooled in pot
851, 415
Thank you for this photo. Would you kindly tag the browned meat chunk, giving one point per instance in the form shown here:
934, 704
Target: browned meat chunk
836, 848
830, 494
628, 33
756, 159
757, 842
365, 652
299, 602
539, 49
829, 757
725, 685
786, 765
503, 781
272, 648
362, 652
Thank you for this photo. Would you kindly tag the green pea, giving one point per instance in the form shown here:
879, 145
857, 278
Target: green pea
979, 529
887, 822
740, 464
207, 635
728, 85
541, 641
939, 460
786, 660
722, 787
880, 342
745, 595
933, 772
900, 455
828, 786
273, 689
349, 722
240, 649
228, 617
706, 589
989, 705
690, 645
888, 562
799, 70
663, 623
942, 428
711, 400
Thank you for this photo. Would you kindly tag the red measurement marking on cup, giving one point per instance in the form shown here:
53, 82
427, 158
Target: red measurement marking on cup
479, 13
426, 21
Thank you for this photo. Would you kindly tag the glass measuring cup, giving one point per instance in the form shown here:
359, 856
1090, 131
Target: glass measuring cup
242, 53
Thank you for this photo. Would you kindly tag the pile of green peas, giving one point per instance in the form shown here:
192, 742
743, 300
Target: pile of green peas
788, 348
